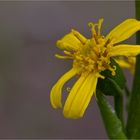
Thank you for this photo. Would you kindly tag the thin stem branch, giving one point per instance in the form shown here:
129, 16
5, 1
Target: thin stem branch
127, 91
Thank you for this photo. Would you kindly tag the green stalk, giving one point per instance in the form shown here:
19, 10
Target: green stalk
112, 123
118, 105
133, 122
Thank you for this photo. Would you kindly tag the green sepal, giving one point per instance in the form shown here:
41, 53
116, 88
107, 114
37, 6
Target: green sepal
112, 85
112, 124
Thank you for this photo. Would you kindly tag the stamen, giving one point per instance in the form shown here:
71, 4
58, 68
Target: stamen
100, 76
99, 26
96, 38
107, 42
93, 30
62, 57
113, 70
92, 43
68, 53
78, 57
96, 50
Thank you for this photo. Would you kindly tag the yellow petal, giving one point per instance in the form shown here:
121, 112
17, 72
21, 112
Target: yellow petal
91, 92
132, 62
125, 50
71, 41
79, 99
122, 63
79, 36
73, 93
128, 63
55, 95
124, 30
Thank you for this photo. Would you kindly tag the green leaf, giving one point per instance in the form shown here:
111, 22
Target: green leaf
109, 87
112, 85
112, 124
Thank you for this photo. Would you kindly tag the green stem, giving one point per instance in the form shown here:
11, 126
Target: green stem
118, 105
133, 122
112, 124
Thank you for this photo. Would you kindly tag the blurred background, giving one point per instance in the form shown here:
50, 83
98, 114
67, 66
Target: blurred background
28, 68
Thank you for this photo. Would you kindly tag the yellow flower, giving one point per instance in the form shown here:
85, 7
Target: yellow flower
90, 57
127, 63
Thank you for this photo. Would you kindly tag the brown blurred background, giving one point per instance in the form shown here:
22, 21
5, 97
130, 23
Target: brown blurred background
28, 68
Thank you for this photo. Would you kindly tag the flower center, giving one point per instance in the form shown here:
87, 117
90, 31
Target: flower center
93, 56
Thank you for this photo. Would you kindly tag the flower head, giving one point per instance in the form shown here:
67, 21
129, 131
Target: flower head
90, 57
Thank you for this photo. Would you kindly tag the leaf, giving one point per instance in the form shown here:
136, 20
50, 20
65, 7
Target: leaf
112, 124
112, 85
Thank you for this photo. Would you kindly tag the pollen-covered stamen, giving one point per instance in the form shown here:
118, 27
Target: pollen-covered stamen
96, 34
113, 70
107, 42
68, 53
99, 26
100, 76
93, 30
63, 56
